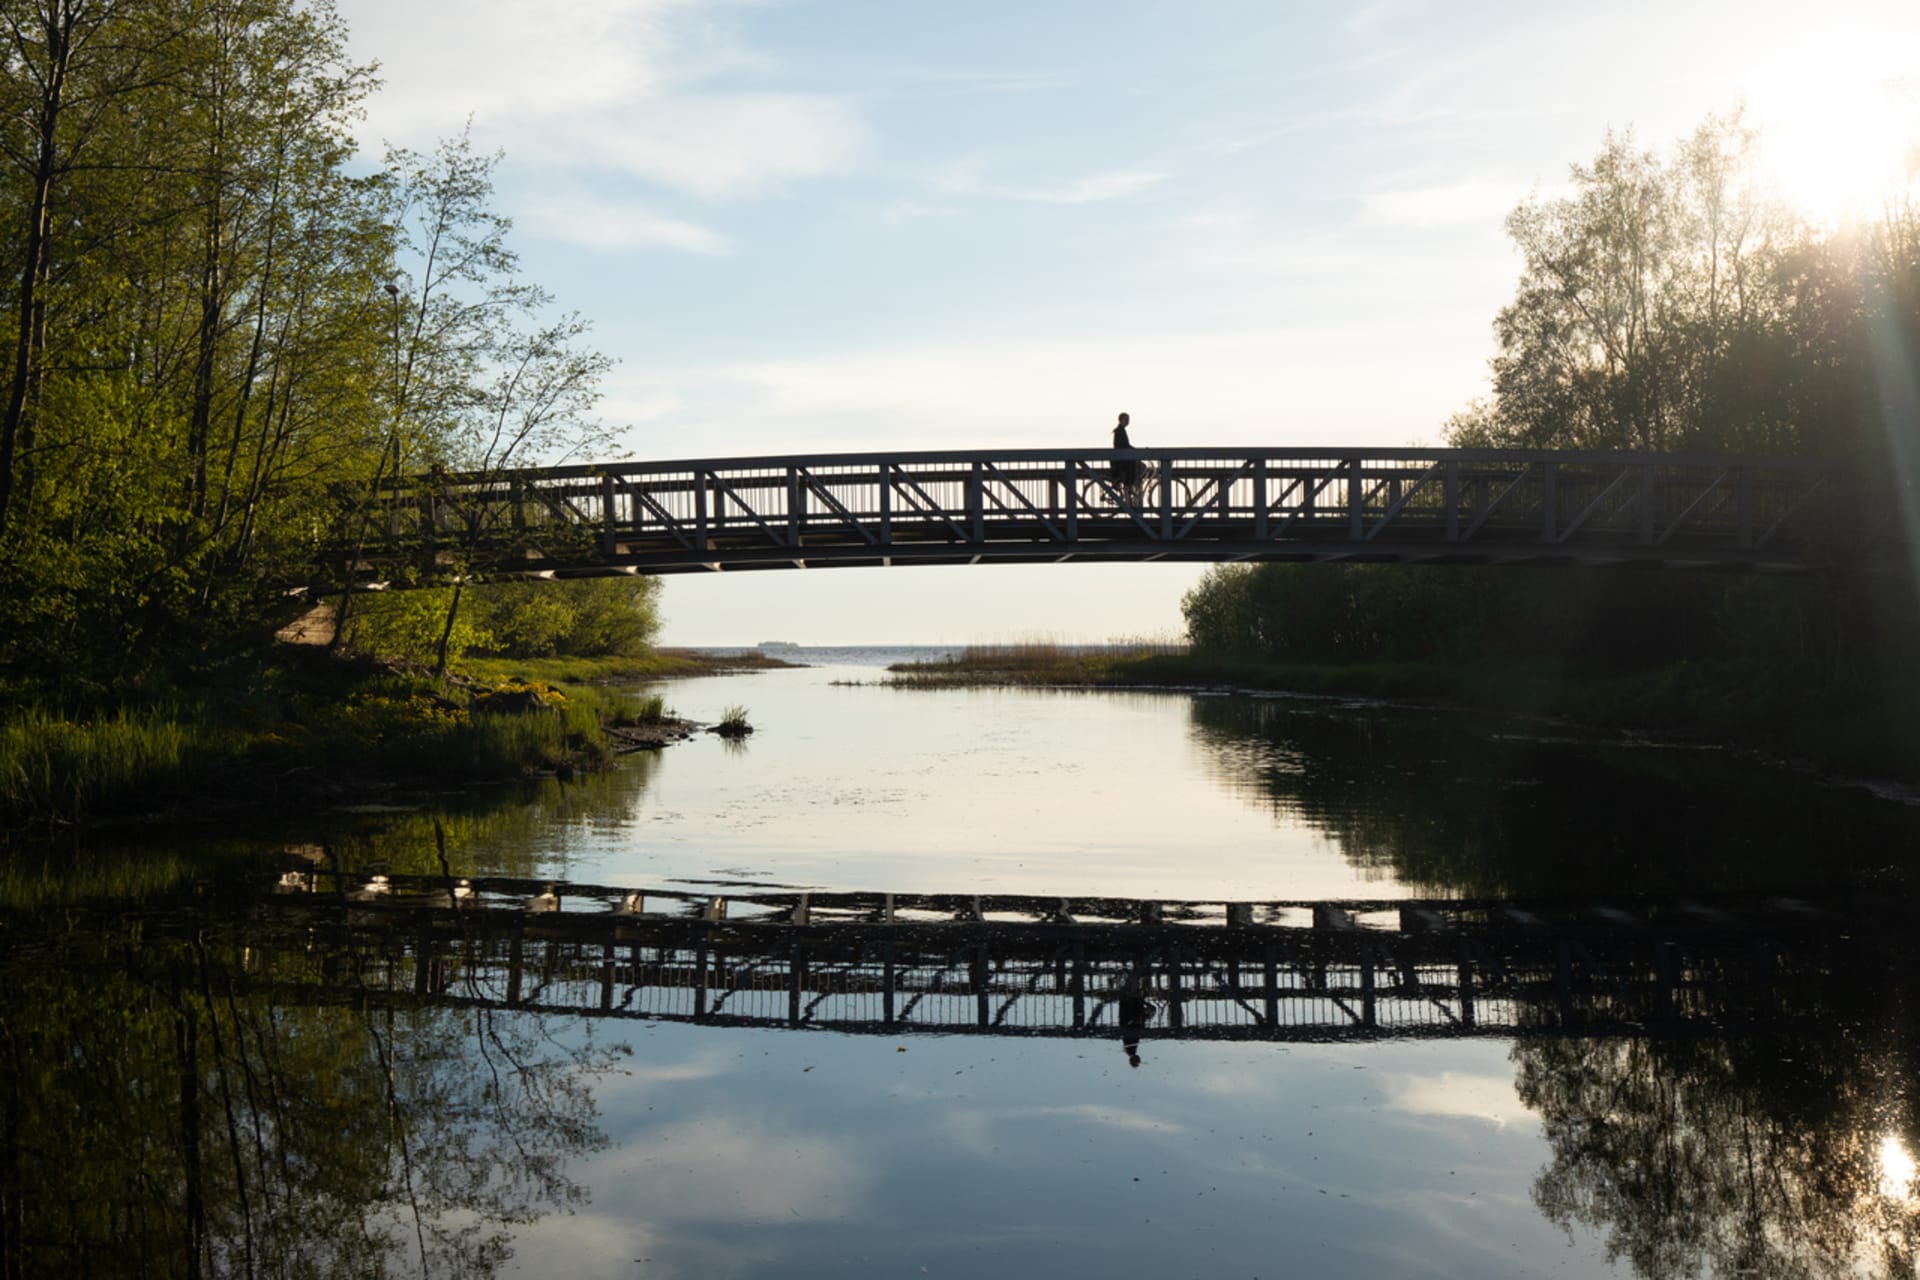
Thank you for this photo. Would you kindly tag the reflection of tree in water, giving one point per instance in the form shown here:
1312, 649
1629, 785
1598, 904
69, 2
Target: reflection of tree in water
499, 831
1456, 804
1730, 1158
1778, 1156
492, 830
166, 1114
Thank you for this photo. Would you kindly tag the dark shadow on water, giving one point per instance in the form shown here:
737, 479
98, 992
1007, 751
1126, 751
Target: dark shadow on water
1457, 804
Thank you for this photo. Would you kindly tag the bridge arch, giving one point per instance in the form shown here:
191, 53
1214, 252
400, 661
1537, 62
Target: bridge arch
1429, 506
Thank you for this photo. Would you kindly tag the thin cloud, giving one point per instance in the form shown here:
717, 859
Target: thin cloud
965, 178
722, 145
598, 224
1457, 204
636, 87
1004, 81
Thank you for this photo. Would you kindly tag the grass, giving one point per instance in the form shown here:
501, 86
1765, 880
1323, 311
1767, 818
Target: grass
1038, 661
309, 727
56, 766
733, 723
644, 667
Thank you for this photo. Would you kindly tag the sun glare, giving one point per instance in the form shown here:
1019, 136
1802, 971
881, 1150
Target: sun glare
1897, 1168
1839, 129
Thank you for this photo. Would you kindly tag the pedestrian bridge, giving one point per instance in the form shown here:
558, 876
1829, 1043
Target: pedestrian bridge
1443, 506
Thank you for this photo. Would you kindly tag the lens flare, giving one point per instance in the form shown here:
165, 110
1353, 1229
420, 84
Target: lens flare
1838, 128
1896, 1168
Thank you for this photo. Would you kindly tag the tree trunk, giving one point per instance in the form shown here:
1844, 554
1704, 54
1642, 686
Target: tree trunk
18, 425
446, 632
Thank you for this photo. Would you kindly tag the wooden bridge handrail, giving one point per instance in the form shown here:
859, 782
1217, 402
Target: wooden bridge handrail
1209, 453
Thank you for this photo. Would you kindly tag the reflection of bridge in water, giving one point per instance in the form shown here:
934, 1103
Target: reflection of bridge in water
899, 963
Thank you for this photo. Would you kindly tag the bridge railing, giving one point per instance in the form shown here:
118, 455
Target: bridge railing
1498, 505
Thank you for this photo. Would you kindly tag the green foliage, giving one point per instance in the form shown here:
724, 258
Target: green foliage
232, 331
589, 618
406, 626
1672, 304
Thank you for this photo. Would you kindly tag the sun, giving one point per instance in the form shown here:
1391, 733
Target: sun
1839, 128
1896, 1168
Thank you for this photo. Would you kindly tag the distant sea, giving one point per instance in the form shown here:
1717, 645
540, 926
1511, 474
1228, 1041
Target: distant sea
846, 655
886, 655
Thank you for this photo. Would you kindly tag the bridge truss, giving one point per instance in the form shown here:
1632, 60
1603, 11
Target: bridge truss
1426, 505
897, 964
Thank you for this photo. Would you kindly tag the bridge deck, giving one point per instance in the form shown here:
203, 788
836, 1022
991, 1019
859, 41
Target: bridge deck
1431, 505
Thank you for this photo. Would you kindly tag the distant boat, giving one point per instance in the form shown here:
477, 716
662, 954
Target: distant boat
777, 644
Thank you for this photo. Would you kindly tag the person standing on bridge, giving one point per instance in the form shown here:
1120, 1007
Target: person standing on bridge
1125, 471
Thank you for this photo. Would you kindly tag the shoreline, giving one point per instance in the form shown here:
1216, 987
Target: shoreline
302, 729
1683, 706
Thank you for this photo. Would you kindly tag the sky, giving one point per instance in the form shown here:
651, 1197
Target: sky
854, 225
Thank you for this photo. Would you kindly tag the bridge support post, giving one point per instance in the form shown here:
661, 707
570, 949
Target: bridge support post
976, 504
1452, 482
1271, 976
1260, 499
1366, 986
888, 980
1356, 501
1079, 986
1073, 504
610, 535
982, 986
701, 538
796, 982
1466, 984
796, 506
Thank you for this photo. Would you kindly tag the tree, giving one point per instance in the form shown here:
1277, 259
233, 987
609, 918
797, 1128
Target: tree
485, 377
1647, 297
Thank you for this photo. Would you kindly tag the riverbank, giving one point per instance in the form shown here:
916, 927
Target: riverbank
1689, 702
300, 729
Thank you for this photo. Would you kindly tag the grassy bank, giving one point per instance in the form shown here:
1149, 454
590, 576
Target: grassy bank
661, 664
1690, 701
303, 730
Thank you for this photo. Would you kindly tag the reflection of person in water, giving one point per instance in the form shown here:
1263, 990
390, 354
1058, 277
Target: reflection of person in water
1125, 471
1135, 1012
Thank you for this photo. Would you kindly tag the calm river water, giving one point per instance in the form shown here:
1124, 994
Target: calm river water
1648, 1016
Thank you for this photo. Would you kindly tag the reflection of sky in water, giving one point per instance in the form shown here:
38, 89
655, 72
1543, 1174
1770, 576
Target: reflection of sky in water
774, 1153
1162, 795
983, 790
771, 1153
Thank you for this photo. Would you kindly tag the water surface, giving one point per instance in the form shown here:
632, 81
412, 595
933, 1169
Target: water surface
192, 1071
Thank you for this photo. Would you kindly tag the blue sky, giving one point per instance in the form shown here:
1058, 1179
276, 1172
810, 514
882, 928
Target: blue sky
858, 224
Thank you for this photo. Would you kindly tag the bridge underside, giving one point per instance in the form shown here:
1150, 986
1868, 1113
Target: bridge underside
1408, 506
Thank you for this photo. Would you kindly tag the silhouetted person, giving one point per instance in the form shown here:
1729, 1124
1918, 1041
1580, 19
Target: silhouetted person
1125, 471
1135, 1010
